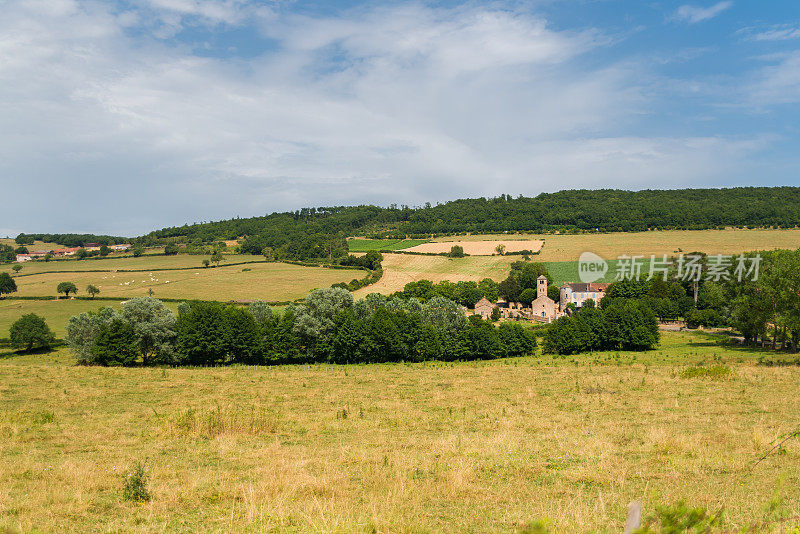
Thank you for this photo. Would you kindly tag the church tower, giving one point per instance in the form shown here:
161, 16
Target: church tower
541, 287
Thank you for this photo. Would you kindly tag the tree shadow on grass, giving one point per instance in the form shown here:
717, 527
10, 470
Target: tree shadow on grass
7, 352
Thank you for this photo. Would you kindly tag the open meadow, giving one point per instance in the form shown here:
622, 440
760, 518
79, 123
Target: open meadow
111, 263
435, 447
55, 312
265, 281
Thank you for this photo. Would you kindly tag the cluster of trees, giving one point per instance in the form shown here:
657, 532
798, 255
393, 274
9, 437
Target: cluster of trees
7, 253
314, 233
464, 293
328, 327
371, 260
522, 280
624, 325
767, 310
668, 300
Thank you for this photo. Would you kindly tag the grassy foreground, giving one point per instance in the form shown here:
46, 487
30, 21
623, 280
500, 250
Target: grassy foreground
463, 447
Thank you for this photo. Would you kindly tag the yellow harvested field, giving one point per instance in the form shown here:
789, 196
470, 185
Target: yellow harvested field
568, 247
400, 269
480, 247
266, 281
37, 245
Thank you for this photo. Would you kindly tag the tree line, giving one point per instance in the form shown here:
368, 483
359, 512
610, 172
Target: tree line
71, 240
320, 232
623, 325
314, 233
329, 326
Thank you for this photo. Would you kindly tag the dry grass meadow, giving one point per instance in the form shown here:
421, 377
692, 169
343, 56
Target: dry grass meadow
457, 447
436, 447
566, 247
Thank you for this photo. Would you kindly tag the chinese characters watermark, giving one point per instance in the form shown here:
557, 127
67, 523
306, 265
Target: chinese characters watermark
684, 267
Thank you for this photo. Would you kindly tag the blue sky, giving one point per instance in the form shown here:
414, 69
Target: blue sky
122, 117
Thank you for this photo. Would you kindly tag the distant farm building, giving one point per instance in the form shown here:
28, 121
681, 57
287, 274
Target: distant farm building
23, 257
484, 308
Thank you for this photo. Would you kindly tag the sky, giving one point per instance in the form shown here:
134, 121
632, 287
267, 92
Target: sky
122, 117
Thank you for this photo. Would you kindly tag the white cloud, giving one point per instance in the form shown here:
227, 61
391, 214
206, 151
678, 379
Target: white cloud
405, 104
778, 83
694, 14
781, 32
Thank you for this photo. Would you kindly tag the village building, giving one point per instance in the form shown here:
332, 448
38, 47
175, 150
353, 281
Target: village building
23, 257
511, 310
122, 246
484, 308
578, 293
65, 251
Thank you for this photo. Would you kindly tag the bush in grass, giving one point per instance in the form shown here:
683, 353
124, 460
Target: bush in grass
714, 372
134, 487
31, 331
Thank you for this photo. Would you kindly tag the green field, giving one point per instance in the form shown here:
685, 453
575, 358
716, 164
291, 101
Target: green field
55, 312
150, 263
462, 447
364, 245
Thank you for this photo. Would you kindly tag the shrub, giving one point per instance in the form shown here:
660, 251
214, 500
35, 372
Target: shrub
680, 518
31, 331
456, 251
134, 488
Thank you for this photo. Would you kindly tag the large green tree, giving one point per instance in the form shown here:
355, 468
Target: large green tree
154, 327
115, 344
67, 288
7, 284
31, 331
